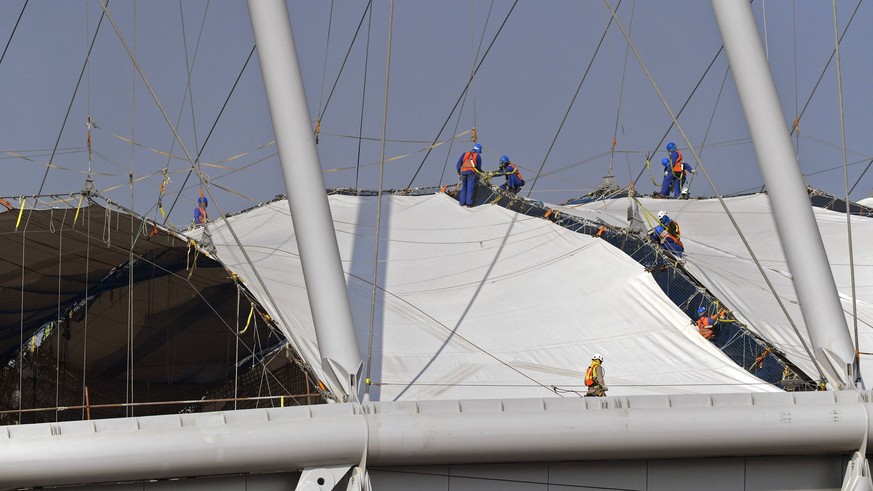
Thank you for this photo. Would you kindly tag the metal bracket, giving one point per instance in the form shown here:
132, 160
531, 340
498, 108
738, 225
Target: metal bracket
857, 475
359, 480
321, 478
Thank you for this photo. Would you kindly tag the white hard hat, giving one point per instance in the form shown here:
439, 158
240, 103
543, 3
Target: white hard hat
661, 214
597, 356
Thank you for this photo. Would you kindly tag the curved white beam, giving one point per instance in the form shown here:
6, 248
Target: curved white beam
433, 432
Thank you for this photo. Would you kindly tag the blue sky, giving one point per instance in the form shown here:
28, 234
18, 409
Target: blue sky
517, 101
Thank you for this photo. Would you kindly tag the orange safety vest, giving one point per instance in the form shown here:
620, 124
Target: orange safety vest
203, 215
469, 162
515, 171
678, 166
673, 229
675, 238
704, 326
590, 376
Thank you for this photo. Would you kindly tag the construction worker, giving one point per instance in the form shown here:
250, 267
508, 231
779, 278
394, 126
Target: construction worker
469, 167
667, 183
200, 214
667, 241
671, 225
679, 169
514, 181
594, 377
675, 171
706, 323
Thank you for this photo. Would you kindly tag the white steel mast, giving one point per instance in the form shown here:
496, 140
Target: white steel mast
795, 222
304, 185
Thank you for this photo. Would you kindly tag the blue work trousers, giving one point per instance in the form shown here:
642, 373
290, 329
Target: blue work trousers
468, 188
677, 181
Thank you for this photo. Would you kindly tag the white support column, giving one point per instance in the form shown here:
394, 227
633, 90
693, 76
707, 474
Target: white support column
310, 211
322, 438
795, 221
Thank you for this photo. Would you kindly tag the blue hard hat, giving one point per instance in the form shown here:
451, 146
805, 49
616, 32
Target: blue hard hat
659, 230
701, 311
665, 161
504, 159
671, 146
477, 148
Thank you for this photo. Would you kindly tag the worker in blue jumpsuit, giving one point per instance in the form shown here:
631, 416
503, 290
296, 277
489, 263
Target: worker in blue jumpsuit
514, 181
200, 214
469, 167
667, 241
667, 183
675, 171
671, 225
706, 323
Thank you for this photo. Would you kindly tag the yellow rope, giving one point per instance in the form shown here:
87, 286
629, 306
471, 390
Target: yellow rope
53, 166
78, 207
649, 167
649, 216
204, 164
194, 261
398, 157
249, 321
163, 191
21, 212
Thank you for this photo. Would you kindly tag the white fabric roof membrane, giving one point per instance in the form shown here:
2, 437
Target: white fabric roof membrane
868, 202
715, 255
482, 303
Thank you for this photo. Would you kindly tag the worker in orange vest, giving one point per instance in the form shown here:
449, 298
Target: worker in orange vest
671, 225
200, 214
469, 167
706, 323
594, 377
514, 181
667, 241
675, 172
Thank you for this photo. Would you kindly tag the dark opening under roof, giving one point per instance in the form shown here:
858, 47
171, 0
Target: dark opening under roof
179, 311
